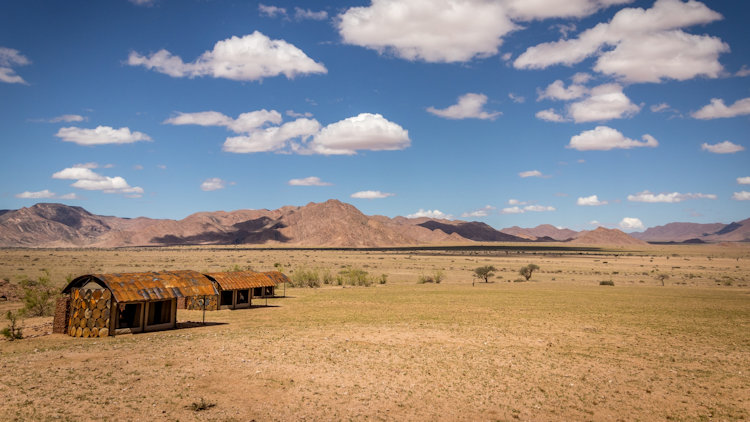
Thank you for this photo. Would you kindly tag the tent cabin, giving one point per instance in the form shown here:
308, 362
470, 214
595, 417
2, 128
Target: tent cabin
108, 304
238, 288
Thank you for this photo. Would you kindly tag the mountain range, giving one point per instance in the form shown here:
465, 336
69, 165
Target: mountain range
327, 224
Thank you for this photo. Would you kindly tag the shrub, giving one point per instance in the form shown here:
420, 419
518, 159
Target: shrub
528, 270
12, 332
353, 277
38, 295
436, 277
606, 283
383, 279
198, 406
304, 277
519, 280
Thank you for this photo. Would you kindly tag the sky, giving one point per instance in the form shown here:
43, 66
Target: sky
620, 113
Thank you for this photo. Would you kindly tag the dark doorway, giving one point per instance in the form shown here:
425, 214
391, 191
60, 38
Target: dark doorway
159, 312
226, 298
129, 315
243, 296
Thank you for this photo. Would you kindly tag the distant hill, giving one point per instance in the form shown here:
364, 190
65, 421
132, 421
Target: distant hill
327, 224
541, 231
603, 236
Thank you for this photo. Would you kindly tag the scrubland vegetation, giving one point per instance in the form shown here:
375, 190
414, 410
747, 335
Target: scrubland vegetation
560, 346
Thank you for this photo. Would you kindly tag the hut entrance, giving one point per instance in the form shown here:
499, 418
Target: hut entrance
227, 298
129, 315
243, 297
159, 312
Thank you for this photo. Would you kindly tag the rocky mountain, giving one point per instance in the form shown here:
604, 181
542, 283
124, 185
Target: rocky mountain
603, 236
541, 231
696, 233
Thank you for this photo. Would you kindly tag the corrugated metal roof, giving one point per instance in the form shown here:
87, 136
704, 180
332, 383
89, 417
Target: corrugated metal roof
137, 287
237, 280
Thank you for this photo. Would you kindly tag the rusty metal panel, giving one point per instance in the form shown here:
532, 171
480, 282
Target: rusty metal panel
277, 277
137, 287
240, 280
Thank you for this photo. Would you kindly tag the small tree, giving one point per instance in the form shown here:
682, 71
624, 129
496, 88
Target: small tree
528, 270
485, 272
12, 332
661, 277
38, 295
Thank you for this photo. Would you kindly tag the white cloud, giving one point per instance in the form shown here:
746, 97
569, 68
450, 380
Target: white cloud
518, 99
744, 71
248, 58
516, 202
429, 30
371, 194
741, 196
365, 131
511, 210
271, 11
557, 91
42, 194
69, 196
550, 115
212, 184
530, 173
639, 45
605, 102
302, 14
590, 201
538, 208
672, 197
717, 109
743, 180
274, 138
725, 147
544, 9
631, 223
100, 136
244, 123
87, 179
10, 58
67, 118
292, 113
469, 106
482, 212
603, 138
143, 2
658, 108
430, 214
308, 181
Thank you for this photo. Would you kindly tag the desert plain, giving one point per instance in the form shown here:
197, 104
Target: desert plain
557, 347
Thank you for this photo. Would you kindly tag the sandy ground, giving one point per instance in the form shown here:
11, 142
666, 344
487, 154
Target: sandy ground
559, 347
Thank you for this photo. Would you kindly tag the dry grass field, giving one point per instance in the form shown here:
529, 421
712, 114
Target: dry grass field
559, 347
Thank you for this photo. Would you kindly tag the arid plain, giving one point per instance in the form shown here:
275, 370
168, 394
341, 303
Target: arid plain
558, 347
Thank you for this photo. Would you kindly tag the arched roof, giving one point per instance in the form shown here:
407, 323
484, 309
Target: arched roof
139, 287
236, 280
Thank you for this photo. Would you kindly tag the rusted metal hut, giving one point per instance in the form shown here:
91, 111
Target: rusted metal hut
238, 288
108, 304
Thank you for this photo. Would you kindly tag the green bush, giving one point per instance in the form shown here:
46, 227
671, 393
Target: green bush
38, 296
353, 277
12, 332
436, 277
304, 277
383, 279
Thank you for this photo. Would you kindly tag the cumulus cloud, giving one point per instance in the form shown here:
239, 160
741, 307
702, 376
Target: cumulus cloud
212, 184
449, 30
304, 14
538, 208
371, 194
658, 108
429, 30
516, 202
603, 138
248, 58
550, 115
672, 197
262, 131
101, 135
744, 71
557, 91
590, 201
469, 106
430, 214
85, 178
365, 131
42, 194
530, 173
482, 212
741, 196
518, 99
10, 58
271, 11
308, 181
743, 180
725, 147
640, 45
605, 102
631, 223
717, 109
516, 209
512, 210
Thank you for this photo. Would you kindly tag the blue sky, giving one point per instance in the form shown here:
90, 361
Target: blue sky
620, 113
